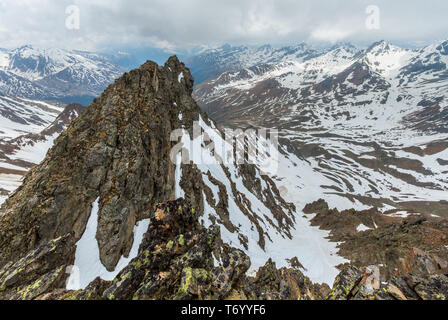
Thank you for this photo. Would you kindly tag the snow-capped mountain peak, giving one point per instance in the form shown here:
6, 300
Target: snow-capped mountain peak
385, 58
53, 73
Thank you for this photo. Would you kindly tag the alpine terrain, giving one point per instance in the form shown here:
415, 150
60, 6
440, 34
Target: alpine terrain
55, 74
359, 128
28, 128
143, 196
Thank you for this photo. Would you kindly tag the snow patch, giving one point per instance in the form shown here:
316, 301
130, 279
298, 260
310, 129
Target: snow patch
400, 214
362, 228
87, 257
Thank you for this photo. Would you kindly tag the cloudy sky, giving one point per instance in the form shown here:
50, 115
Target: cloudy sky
178, 25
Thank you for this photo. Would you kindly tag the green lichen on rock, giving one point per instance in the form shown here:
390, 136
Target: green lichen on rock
345, 282
38, 271
194, 283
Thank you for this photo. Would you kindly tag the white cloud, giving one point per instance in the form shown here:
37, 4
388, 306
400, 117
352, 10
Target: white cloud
330, 34
173, 24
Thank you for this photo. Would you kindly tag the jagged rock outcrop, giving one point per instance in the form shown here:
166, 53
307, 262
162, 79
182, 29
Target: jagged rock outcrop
384, 239
424, 277
117, 151
39, 271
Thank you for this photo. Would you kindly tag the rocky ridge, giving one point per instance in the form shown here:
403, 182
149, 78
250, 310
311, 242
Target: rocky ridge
113, 161
176, 261
117, 154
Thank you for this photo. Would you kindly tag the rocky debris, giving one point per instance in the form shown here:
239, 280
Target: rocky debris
344, 224
385, 240
176, 261
385, 261
41, 270
271, 283
117, 151
418, 283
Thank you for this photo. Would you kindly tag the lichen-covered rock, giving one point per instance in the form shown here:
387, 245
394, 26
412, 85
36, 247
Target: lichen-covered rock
178, 260
194, 283
420, 262
434, 287
41, 270
346, 283
117, 150
175, 261
422, 281
235, 263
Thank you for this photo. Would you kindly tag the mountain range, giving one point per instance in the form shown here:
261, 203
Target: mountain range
139, 197
55, 74
363, 125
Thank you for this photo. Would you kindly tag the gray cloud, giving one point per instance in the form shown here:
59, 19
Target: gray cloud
183, 24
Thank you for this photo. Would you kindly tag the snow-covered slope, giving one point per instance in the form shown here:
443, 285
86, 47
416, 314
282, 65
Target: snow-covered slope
118, 152
20, 116
54, 73
27, 130
359, 128
250, 212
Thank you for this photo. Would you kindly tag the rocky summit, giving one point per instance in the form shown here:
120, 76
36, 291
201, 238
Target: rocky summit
108, 196
117, 151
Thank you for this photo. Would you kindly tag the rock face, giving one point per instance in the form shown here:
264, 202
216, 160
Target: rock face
39, 271
422, 279
385, 239
176, 261
118, 150
117, 154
